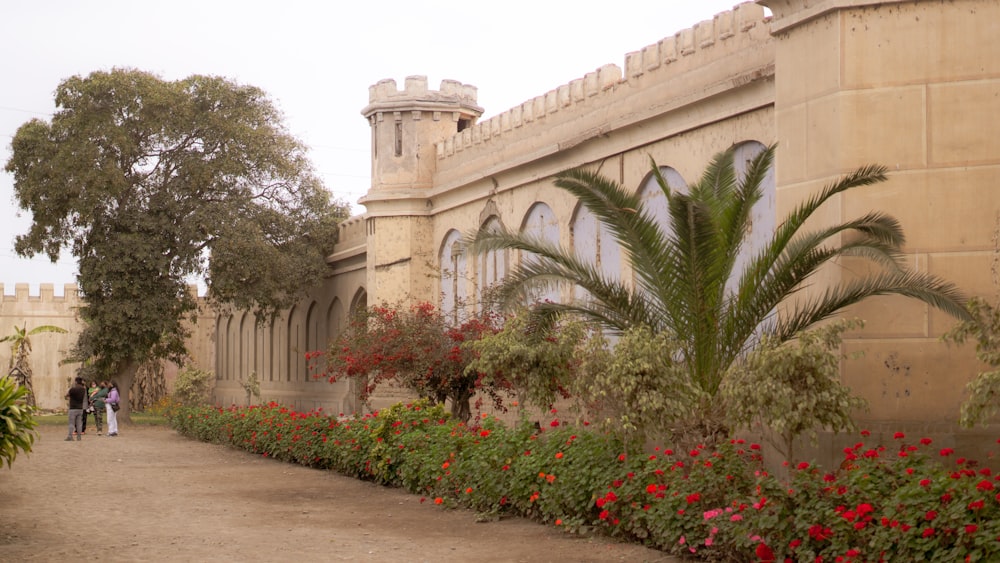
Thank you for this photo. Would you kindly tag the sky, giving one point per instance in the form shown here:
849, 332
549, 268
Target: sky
315, 60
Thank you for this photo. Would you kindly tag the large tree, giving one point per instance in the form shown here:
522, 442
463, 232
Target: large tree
150, 183
686, 281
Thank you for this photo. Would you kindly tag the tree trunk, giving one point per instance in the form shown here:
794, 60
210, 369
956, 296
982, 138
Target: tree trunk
125, 376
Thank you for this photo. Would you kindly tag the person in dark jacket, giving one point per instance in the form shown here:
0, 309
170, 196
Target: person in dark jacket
96, 395
77, 396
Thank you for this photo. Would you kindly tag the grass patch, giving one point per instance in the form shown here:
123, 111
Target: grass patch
139, 418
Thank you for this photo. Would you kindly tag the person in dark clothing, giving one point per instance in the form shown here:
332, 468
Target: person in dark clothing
77, 396
95, 405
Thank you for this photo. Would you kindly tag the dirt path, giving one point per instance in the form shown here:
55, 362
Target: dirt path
152, 495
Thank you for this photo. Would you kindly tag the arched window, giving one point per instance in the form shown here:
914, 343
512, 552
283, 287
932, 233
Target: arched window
453, 272
540, 222
763, 216
654, 201
493, 264
594, 244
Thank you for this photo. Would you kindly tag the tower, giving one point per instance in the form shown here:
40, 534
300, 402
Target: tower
406, 125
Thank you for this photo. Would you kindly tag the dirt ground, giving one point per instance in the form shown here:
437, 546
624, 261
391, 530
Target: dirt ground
152, 495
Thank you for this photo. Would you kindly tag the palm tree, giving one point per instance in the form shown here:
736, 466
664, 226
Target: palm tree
681, 275
20, 350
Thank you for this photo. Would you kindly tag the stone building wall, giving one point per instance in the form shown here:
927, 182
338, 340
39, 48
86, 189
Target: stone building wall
835, 83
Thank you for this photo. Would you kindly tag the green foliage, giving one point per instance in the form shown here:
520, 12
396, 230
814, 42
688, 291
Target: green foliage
984, 389
193, 387
16, 421
686, 279
898, 501
794, 387
150, 182
538, 362
638, 386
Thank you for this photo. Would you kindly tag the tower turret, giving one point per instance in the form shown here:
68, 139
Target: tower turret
406, 125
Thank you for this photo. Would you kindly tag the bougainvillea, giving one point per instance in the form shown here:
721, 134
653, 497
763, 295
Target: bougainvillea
417, 348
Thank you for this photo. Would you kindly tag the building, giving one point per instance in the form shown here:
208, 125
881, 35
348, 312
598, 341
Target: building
836, 84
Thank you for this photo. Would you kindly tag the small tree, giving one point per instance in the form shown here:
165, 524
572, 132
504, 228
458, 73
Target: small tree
417, 349
537, 362
193, 387
251, 385
793, 388
639, 388
20, 352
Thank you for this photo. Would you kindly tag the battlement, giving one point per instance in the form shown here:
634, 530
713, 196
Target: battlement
687, 50
46, 294
384, 95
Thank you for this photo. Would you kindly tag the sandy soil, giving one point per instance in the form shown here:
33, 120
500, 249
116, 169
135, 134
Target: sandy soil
152, 495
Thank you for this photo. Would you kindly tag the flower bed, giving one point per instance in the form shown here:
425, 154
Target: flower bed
906, 500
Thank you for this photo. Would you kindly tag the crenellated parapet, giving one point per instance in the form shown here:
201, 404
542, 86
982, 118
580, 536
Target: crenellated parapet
46, 294
688, 51
384, 96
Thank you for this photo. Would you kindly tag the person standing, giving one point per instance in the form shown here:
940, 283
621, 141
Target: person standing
77, 396
111, 403
97, 402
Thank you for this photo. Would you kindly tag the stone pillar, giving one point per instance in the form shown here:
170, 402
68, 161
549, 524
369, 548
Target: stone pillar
914, 86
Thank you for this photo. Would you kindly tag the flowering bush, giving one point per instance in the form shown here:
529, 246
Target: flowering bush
418, 348
907, 500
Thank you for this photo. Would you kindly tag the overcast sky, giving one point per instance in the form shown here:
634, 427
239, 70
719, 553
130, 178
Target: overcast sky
316, 60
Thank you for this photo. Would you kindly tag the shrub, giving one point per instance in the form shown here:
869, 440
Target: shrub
16, 421
193, 387
906, 501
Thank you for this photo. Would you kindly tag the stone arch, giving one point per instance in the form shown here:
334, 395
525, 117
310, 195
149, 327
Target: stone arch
541, 222
359, 302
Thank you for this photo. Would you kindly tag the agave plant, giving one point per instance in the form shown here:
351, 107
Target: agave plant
685, 278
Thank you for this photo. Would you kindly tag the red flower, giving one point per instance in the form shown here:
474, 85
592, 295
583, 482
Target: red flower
985, 485
803, 465
925, 482
559, 455
554, 423
819, 533
930, 515
764, 553
946, 452
976, 504
928, 532
898, 436
925, 441
693, 498
438, 500
604, 515
971, 528
794, 543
